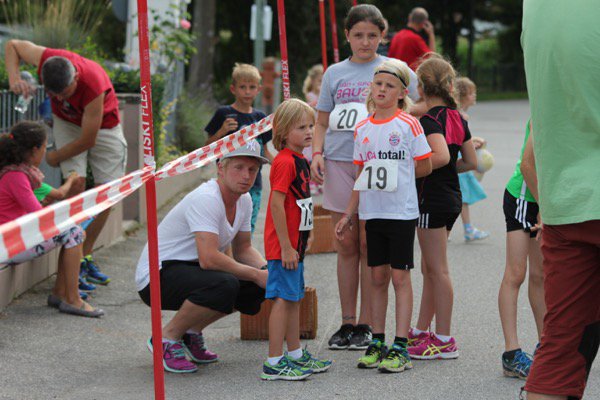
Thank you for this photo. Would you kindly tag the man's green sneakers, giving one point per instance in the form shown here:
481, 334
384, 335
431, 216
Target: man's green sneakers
373, 356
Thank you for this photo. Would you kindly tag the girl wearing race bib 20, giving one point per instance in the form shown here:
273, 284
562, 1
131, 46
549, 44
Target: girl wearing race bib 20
390, 150
440, 203
340, 108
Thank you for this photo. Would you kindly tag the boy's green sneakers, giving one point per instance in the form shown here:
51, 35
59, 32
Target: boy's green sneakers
374, 354
307, 361
396, 360
284, 370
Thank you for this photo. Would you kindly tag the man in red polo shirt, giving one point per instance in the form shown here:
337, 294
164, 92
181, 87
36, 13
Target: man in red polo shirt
409, 45
86, 125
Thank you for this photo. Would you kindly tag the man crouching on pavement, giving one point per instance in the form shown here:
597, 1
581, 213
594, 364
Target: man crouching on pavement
197, 279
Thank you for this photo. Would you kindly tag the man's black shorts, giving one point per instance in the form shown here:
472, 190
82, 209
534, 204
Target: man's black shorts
217, 290
520, 214
390, 242
437, 220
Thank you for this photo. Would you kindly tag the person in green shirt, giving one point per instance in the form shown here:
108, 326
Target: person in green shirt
562, 66
521, 213
46, 194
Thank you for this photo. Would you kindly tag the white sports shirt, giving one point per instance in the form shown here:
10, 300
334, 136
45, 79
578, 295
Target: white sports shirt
401, 139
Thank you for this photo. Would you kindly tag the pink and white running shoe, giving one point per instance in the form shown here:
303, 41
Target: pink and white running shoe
433, 348
416, 339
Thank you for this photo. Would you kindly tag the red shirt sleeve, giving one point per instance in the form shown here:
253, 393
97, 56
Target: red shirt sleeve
283, 173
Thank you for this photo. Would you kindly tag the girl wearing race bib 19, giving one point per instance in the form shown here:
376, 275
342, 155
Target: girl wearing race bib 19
390, 150
340, 107
440, 203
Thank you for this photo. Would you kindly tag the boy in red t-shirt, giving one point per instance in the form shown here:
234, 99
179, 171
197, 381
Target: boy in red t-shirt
287, 227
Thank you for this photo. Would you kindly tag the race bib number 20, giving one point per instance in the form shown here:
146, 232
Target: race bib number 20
344, 117
379, 175
306, 214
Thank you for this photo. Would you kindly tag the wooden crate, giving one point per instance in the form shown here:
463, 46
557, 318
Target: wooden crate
322, 232
256, 327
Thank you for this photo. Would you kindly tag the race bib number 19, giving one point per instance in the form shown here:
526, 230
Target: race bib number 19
306, 214
378, 175
344, 117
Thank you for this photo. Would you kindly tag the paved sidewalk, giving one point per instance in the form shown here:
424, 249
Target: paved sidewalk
47, 355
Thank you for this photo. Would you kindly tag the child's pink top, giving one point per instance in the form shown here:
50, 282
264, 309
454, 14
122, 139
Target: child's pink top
16, 196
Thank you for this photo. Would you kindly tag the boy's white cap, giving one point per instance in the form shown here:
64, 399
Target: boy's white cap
251, 149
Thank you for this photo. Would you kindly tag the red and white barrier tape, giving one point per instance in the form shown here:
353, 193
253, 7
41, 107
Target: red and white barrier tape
32, 229
202, 156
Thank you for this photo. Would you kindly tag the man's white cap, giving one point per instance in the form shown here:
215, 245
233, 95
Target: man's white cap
251, 149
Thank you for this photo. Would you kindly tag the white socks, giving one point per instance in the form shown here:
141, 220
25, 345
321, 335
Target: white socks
443, 338
417, 331
295, 354
273, 361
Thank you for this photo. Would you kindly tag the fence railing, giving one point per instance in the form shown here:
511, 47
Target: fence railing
8, 115
499, 78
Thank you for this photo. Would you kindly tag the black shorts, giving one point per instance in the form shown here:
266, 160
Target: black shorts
519, 214
217, 290
390, 241
437, 220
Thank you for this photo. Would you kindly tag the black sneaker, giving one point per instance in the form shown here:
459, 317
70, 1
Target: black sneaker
341, 339
361, 337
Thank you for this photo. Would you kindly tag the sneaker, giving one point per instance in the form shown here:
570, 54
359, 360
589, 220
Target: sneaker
84, 285
361, 337
196, 350
374, 354
416, 339
341, 339
308, 362
83, 295
285, 370
517, 366
396, 360
475, 234
433, 348
174, 357
93, 272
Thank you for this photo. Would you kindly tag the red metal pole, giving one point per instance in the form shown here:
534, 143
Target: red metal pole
354, 2
334, 36
148, 145
323, 34
285, 66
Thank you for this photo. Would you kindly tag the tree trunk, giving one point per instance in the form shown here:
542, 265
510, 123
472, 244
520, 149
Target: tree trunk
203, 26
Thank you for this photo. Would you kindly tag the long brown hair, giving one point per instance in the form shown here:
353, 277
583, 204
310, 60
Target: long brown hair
436, 79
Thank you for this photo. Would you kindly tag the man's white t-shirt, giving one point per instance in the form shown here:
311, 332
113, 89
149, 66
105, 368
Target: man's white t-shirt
399, 140
202, 210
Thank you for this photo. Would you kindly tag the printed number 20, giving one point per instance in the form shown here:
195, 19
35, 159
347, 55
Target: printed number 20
380, 175
350, 115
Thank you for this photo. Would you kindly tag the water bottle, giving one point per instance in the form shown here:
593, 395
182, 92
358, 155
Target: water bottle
23, 102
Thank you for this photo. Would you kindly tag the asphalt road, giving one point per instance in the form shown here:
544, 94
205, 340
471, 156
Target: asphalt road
47, 355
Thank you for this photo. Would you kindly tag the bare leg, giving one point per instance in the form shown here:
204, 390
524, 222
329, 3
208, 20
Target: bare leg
292, 334
348, 258
433, 244
365, 279
277, 327
465, 214
427, 308
536, 285
380, 280
206, 322
93, 231
404, 301
517, 247
189, 315
67, 277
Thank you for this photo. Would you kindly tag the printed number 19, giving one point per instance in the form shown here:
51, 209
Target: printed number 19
380, 174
